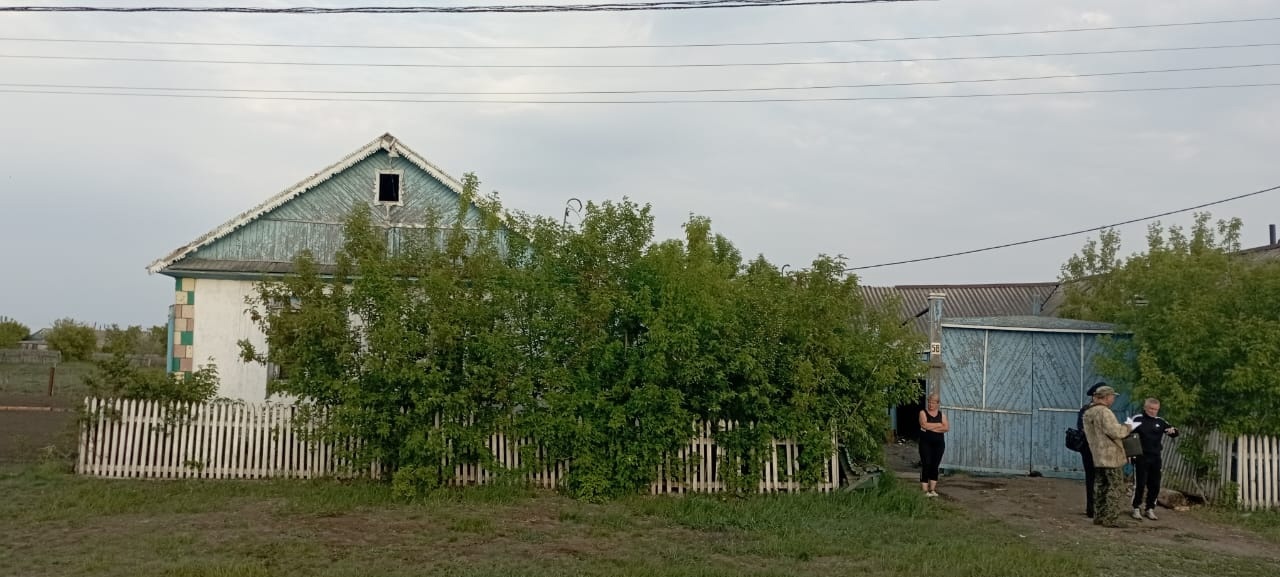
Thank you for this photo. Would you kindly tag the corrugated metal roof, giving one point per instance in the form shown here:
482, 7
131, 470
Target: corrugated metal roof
974, 300
1032, 323
239, 266
1264, 252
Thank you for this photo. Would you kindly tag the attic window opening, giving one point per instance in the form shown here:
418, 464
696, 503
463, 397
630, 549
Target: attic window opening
389, 187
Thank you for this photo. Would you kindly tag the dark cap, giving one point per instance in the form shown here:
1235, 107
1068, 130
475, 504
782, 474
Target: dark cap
1094, 389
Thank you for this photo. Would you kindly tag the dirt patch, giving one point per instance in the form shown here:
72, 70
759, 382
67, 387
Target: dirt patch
26, 435
38, 400
1054, 509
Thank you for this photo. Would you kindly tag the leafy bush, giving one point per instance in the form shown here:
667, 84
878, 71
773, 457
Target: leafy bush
596, 340
76, 341
117, 377
11, 332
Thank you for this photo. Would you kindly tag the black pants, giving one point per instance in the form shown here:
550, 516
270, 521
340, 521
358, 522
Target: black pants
1089, 480
1147, 469
930, 457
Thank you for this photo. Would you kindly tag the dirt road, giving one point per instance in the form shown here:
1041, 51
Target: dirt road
1054, 509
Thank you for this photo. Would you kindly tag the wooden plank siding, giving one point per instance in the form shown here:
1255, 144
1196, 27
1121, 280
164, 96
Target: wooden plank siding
1011, 392
314, 220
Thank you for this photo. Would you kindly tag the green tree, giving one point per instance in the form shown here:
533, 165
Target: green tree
598, 341
11, 332
1204, 322
76, 341
117, 377
156, 340
127, 341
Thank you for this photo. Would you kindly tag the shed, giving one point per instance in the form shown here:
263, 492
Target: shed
1011, 386
920, 306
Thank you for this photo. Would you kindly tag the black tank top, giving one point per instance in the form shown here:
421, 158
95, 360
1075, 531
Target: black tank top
931, 435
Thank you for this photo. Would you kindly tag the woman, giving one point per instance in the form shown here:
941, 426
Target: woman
933, 424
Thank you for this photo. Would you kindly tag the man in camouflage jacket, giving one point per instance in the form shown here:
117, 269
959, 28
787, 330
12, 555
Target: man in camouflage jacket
1105, 434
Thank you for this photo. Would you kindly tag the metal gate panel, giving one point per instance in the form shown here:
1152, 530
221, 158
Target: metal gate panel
987, 401
1056, 377
1008, 379
964, 351
987, 441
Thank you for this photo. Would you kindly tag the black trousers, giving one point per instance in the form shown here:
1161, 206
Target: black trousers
1087, 457
931, 451
1147, 469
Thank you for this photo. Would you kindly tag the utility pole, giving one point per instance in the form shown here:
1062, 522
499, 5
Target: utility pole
933, 383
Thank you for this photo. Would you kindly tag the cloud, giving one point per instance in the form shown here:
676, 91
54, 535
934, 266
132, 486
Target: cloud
94, 188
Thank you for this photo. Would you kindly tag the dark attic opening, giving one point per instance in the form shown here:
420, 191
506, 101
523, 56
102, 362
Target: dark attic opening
388, 187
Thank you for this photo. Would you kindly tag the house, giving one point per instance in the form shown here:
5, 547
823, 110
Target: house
37, 341
214, 273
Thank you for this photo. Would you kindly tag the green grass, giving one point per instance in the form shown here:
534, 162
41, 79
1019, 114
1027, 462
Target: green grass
1264, 523
33, 380
53, 523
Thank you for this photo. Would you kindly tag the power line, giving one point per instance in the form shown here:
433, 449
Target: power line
1068, 234
615, 46
522, 9
599, 66
640, 91
666, 101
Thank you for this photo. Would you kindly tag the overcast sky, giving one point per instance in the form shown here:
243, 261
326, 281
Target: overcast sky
96, 187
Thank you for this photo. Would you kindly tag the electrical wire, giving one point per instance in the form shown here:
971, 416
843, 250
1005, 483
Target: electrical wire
640, 91
631, 46
1067, 234
521, 9
650, 102
602, 66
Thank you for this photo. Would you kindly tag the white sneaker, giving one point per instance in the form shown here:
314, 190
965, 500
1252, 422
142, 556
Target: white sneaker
1137, 513
1151, 514
933, 493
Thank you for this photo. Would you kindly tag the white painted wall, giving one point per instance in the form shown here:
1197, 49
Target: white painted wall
220, 324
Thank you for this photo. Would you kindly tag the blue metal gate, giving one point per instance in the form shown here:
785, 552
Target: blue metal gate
1011, 387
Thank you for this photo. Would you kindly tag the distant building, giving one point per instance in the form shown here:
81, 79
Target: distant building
35, 341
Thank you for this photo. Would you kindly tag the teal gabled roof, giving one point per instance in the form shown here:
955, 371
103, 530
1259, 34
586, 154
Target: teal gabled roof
225, 256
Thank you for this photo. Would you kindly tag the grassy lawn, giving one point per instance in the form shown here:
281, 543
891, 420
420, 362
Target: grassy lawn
1264, 523
53, 523
31, 380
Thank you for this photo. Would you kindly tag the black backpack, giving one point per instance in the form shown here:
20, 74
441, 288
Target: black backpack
1076, 440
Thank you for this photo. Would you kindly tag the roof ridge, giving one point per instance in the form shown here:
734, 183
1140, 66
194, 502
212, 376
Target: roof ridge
979, 285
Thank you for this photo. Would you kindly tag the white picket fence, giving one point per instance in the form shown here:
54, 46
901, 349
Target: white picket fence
1251, 462
700, 466
142, 439
1258, 472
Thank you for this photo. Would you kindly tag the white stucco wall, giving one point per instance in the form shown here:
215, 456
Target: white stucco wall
220, 324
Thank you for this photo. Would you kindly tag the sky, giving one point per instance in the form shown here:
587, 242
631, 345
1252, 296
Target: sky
93, 188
